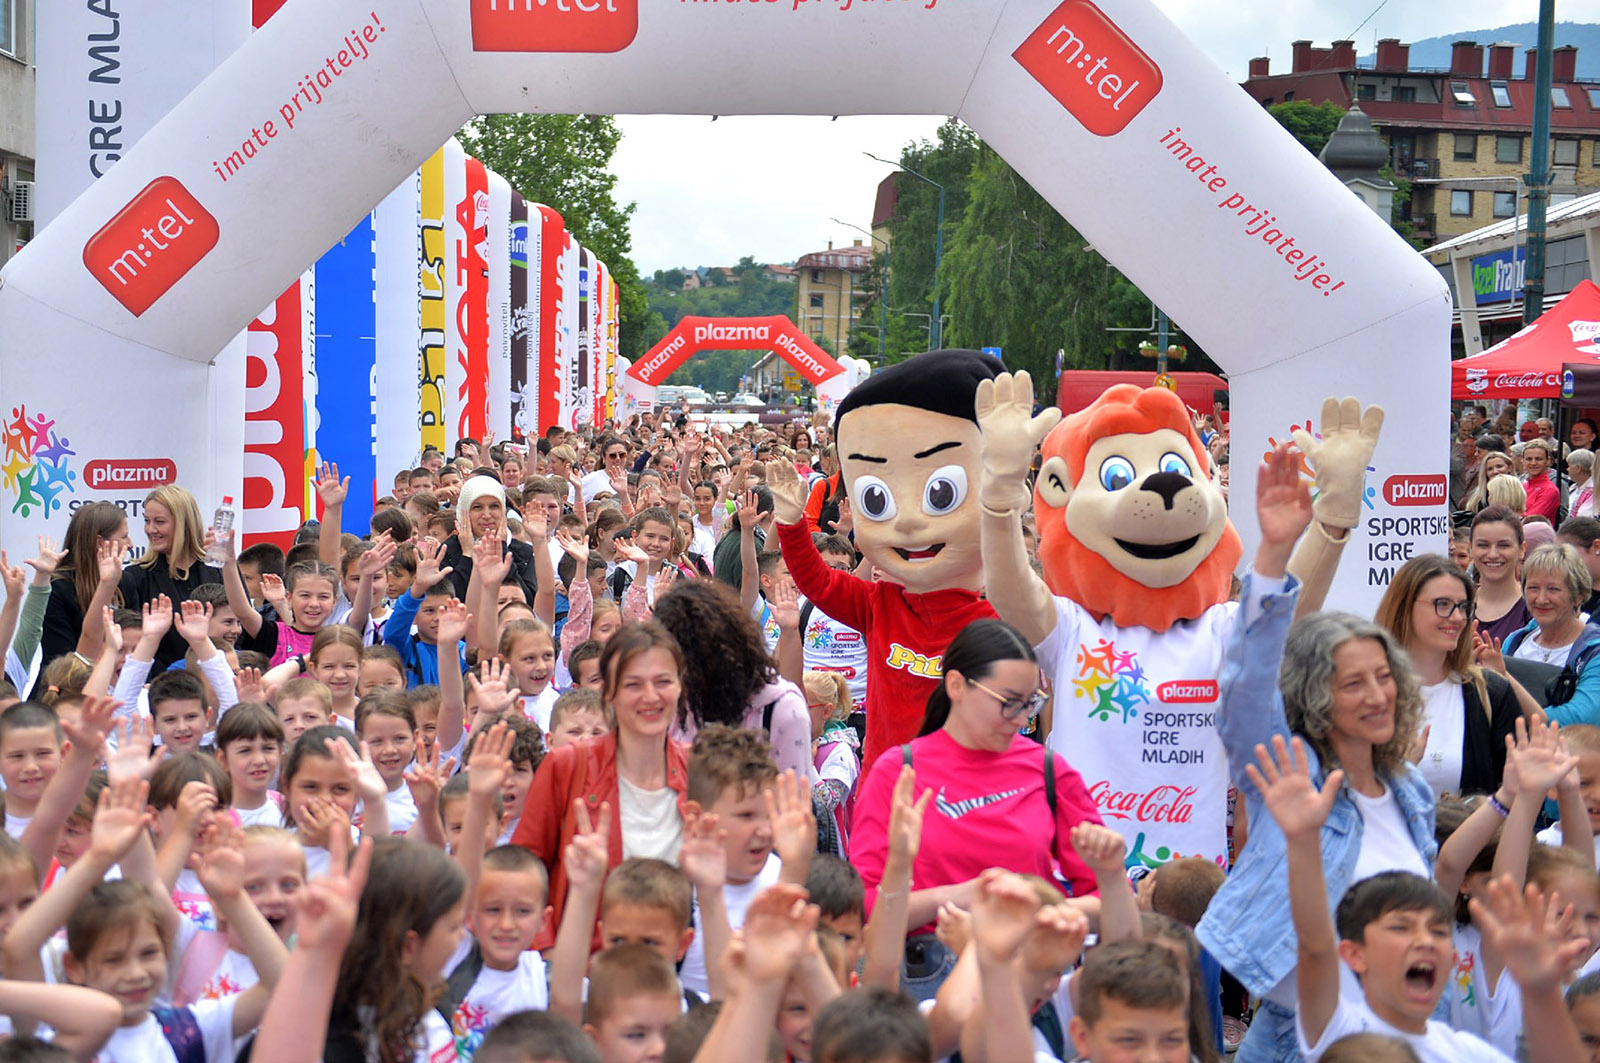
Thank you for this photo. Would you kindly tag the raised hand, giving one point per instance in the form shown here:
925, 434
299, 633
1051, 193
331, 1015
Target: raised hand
1284, 780
794, 825
778, 926
247, 684
378, 558
220, 857
223, 544
1011, 434
454, 622
905, 816
1517, 927
156, 619
1340, 458
588, 854
360, 770
1101, 848
15, 577
427, 775
273, 590
428, 570
490, 764
1486, 652
119, 818
1058, 934
45, 564
327, 904
493, 685
1002, 913
628, 551
136, 757
492, 560
703, 858
785, 603
193, 622
1536, 761
1283, 500
96, 718
108, 559
196, 802
953, 927
788, 496
113, 631
576, 546
330, 489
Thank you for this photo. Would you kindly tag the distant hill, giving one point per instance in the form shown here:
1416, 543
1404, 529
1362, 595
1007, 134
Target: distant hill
1434, 52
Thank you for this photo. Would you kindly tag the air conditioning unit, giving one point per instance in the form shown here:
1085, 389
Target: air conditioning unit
21, 201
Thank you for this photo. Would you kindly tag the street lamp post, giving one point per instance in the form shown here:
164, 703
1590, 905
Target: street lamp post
883, 290
938, 241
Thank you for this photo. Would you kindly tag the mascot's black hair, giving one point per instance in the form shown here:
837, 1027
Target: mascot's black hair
937, 381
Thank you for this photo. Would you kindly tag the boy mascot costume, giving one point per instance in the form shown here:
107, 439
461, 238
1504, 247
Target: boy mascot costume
1133, 617
908, 446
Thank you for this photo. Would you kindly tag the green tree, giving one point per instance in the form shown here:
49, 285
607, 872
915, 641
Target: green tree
1017, 276
1310, 123
563, 161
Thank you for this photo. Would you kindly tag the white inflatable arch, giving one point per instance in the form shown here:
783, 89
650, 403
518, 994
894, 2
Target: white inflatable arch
1166, 167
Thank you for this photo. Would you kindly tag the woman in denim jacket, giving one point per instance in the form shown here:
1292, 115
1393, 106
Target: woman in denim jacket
1344, 685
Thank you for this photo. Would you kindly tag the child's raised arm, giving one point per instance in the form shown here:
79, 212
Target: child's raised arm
544, 569
749, 513
30, 628
368, 565
87, 740
332, 491
221, 872
454, 620
1284, 782
885, 934
119, 822
1105, 852
1003, 914
294, 1028
704, 861
108, 566
586, 860
794, 826
369, 785
425, 778
83, 1019
105, 665
777, 927
16, 583
1538, 954
238, 598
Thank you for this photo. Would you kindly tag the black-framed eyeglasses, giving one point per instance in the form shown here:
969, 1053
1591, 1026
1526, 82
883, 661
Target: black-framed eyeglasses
1445, 608
1014, 708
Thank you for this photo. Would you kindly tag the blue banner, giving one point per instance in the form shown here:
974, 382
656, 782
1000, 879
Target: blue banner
1497, 278
347, 351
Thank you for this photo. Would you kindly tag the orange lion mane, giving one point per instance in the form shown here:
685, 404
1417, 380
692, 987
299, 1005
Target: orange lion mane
1074, 571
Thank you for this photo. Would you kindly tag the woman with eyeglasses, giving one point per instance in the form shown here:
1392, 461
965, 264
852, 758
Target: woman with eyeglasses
1467, 711
1555, 584
1000, 799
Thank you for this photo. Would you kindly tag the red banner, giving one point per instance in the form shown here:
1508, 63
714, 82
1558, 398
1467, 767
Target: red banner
274, 421
775, 333
472, 308
547, 377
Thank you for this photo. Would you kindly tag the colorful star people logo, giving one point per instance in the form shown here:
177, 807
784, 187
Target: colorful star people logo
1113, 682
37, 469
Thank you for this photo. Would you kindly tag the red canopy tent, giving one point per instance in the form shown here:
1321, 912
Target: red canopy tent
1529, 364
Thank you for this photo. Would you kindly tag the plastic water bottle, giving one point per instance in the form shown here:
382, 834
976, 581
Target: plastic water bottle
221, 525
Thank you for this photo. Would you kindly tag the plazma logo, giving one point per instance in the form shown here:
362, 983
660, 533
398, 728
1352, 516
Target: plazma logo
36, 470
554, 25
1091, 67
150, 244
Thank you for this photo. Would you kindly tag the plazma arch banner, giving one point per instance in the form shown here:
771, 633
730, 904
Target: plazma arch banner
1178, 178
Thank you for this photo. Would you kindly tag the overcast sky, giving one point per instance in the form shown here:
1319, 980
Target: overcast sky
711, 213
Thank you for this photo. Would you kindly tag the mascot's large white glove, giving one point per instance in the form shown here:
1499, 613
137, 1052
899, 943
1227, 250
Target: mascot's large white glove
1011, 435
788, 492
1340, 458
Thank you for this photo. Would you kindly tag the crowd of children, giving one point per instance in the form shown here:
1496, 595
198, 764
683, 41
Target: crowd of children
551, 762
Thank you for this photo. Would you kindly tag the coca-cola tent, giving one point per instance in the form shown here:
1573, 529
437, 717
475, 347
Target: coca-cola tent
1529, 365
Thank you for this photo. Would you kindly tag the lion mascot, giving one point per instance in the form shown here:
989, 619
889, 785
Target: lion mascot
1133, 614
908, 447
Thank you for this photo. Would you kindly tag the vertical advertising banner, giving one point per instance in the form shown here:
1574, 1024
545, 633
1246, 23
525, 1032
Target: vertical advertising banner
599, 282
433, 317
346, 330
498, 386
548, 319
457, 255
520, 403
566, 352
470, 239
613, 334
583, 361
395, 407
275, 485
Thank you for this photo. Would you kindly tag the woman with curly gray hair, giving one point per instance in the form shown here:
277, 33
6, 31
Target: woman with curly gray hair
1345, 685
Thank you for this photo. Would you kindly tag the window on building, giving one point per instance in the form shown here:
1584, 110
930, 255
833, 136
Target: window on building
1461, 92
1505, 204
1404, 94
1288, 96
1559, 97
8, 27
1501, 93
816, 302
1596, 159
1461, 202
1565, 152
816, 276
1507, 149
1466, 147
1367, 91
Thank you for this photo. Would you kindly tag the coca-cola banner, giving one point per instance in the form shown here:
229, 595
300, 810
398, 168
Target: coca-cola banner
1264, 258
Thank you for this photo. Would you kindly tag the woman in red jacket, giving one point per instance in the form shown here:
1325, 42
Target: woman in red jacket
636, 769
